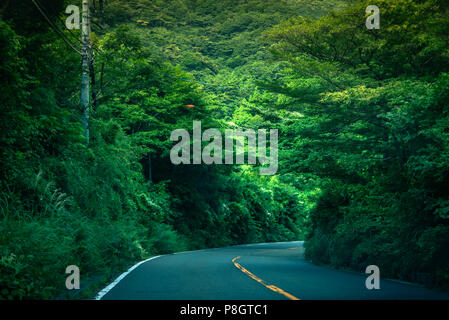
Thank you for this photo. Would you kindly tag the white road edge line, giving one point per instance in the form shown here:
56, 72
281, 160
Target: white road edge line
120, 277
124, 274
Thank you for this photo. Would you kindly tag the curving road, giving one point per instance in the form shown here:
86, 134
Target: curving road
267, 271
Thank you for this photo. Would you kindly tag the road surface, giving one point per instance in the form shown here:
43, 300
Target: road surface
267, 271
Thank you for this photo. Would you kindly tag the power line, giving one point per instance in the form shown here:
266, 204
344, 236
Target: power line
66, 40
71, 32
75, 37
62, 36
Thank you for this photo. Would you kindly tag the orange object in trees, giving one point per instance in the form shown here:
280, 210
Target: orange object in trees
189, 106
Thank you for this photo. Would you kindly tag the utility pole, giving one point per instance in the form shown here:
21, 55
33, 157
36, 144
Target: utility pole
150, 176
85, 50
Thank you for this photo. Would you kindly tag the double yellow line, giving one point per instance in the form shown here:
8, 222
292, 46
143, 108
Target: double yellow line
269, 286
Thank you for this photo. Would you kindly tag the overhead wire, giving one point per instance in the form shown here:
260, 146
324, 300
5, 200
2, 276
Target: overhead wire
129, 63
74, 36
98, 50
53, 26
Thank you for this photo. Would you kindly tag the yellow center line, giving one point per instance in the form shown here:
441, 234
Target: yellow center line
269, 286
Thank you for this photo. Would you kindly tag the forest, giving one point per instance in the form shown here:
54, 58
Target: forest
362, 116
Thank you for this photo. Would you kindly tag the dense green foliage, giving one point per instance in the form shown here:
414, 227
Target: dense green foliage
362, 116
218, 42
97, 206
373, 134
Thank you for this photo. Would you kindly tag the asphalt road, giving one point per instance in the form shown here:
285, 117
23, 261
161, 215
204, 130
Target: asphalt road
268, 271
